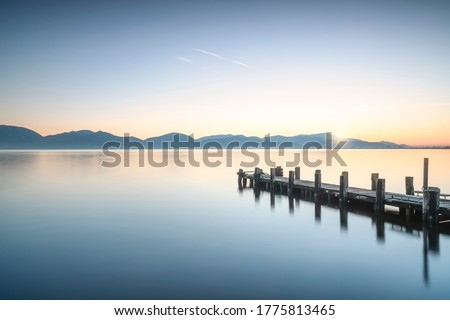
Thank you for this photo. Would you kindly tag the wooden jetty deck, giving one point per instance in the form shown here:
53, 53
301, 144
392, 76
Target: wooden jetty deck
428, 202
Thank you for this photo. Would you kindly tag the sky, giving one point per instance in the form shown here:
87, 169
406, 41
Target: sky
373, 70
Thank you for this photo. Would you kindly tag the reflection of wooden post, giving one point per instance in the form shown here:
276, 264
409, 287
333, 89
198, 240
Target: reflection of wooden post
291, 204
409, 185
380, 228
317, 184
379, 200
291, 182
374, 179
272, 198
297, 173
343, 217
317, 211
431, 204
425, 173
256, 192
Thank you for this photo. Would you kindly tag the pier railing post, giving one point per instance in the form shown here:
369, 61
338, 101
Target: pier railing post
374, 179
343, 189
272, 178
240, 178
345, 174
291, 182
379, 199
252, 181
317, 184
297, 173
409, 185
425, 173
278, 171
431, 204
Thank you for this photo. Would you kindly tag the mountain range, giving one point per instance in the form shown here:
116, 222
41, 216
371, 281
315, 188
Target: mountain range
12, 137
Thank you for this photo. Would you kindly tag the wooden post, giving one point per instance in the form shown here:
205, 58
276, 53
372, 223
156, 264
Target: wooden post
272, 178
257, 192
240, 177
297, 173
255, 179
374, 181
425, 173
345, 174
379, 200
278, 171
431, 204
317, 184
291, 182
409, 185
343, 190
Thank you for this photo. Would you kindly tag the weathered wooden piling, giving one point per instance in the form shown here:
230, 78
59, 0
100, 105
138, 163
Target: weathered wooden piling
433, 237
374, 179
409, 185
343, 189
241, 176
278, 171
407, 205
272, 178
317, 184
297, 173
291, 182
380, 195
255, 177
431, 204
425, 173
345, 174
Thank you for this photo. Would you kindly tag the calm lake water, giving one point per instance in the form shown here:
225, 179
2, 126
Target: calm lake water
72, 229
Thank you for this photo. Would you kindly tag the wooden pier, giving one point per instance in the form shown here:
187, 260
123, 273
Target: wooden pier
429, 202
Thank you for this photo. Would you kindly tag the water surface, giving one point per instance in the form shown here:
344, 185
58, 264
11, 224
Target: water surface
72, 229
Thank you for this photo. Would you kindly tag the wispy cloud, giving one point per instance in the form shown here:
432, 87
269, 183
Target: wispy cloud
189, 61
222, 58
184, 59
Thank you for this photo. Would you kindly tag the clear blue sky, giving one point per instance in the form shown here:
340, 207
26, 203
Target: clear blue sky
367, 69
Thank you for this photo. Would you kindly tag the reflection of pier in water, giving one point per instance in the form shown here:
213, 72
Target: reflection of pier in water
403, 223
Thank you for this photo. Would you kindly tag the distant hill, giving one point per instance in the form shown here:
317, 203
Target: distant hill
12, 137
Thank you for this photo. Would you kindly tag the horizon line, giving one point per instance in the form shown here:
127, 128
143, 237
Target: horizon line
236, 134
